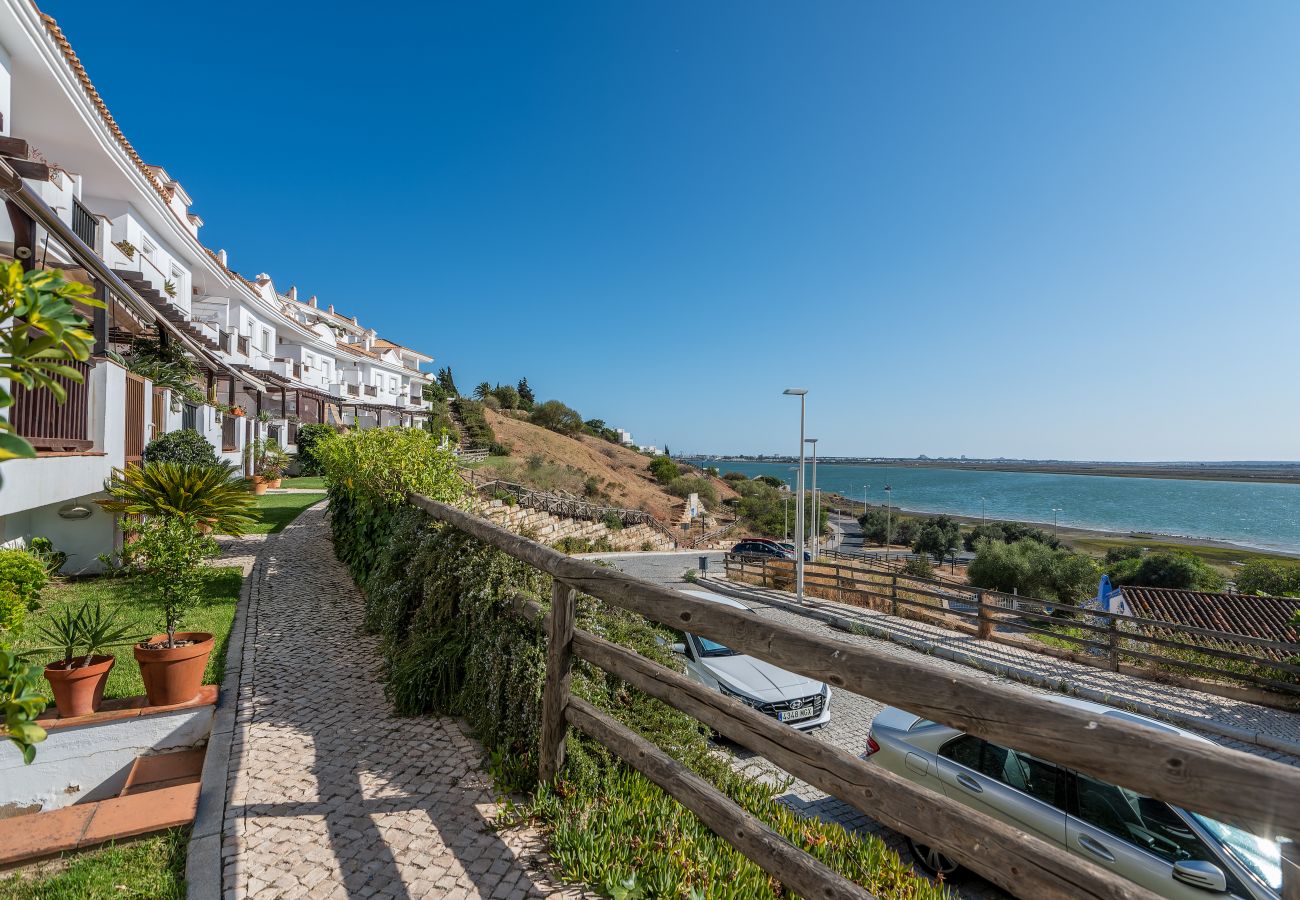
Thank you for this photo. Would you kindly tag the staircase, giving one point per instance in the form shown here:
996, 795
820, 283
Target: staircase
162, 304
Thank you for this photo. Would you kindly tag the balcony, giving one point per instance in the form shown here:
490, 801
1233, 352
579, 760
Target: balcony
242, 345
52, 426
371, 390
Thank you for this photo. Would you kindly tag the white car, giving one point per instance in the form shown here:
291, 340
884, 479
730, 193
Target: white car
1170, 851
785, 696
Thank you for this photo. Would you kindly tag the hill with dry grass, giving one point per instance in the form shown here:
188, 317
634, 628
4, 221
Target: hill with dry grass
582, 465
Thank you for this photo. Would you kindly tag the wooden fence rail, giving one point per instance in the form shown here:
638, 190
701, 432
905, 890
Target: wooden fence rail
1217, 781
1113, 637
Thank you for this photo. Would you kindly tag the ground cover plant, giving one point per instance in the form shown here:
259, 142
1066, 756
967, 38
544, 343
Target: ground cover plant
441, 604
151, 868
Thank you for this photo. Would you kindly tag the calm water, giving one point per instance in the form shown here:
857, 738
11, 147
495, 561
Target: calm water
1257, 515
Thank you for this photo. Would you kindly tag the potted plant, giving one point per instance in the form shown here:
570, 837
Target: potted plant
237, 411
167, 554
127, 248
169, 288
269, 463
78, 679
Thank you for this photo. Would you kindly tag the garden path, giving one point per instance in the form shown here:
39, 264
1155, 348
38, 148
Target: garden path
330, 795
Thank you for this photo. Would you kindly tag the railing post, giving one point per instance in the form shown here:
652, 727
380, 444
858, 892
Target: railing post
555, 691
985, 619
1290, 870
1112, 637
893, 595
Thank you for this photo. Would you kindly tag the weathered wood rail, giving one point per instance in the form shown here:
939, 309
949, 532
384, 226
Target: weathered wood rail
1108, 639
1205, 778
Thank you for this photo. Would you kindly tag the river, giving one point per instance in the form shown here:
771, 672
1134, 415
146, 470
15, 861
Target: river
1262, 516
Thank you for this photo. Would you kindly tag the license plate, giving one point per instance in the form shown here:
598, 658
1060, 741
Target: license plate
795, 714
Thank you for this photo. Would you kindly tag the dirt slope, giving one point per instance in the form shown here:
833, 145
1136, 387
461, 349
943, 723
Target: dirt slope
621, 474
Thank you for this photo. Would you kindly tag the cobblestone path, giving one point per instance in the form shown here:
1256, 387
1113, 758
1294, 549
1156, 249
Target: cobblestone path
330, 795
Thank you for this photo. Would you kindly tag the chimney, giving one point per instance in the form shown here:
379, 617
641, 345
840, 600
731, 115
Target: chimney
293, 292
354, 321
312, 301
331, 309
221, 257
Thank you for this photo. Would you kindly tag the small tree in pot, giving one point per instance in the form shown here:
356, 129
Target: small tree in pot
167, 554
269, 463
78, 679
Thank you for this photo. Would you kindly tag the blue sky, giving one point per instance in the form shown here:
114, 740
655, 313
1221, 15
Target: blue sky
999, 229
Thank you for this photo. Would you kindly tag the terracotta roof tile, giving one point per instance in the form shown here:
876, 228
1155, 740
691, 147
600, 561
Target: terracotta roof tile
1246, 614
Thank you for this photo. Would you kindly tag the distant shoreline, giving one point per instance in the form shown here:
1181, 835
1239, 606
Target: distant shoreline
1261, 474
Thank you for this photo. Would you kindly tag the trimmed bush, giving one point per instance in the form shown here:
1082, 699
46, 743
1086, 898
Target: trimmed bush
557, 417
22, 575
310, 438
186, 446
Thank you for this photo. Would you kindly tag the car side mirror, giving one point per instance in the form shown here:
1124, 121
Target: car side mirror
1199, 873
679, 648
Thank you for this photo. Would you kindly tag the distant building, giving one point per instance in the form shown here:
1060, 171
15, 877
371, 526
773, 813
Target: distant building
625, 437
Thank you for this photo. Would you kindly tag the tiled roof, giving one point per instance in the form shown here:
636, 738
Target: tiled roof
80, 71
1261, 617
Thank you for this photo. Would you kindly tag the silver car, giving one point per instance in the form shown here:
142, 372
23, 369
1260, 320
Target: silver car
1170, 851
787, 697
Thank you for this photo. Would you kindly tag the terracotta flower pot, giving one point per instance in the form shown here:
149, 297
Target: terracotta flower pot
260, 485
173, 675
275, 483
79, 691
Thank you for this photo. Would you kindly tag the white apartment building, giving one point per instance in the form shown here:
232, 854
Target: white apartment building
79, 198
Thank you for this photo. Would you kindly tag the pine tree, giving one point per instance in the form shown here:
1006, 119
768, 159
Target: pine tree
447, 382
526, 396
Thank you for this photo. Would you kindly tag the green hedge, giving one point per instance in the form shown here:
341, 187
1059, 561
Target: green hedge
478, 432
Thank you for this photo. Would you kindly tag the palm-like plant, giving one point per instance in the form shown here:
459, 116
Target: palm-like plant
211, 496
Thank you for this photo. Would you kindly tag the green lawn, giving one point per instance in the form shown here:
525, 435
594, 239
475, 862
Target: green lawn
151, 868
278, 510
213, 615
305, 482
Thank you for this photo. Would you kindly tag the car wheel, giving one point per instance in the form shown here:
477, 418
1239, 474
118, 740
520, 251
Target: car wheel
933, 861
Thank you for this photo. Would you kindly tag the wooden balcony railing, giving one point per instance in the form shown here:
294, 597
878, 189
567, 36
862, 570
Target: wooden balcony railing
52, 426
243, 345
1227, 784
229, 433
372, 391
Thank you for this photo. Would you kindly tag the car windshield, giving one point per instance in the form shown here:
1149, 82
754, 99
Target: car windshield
713, 648
1260, 855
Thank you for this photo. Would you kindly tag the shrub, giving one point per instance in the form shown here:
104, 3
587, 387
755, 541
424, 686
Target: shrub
167, 553
919, 567
583, 545
1164, 569
212, 496
22, 575
612, 521
20, 702
310, 438
557, 417
478, 433
937, 536
735, 476
186, 446
1266, 576
498, 449
1009, 533
664, 470
507, 396
1034, 570
684, 487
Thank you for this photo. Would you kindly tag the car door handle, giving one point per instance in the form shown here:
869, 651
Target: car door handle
970, 783
1096, 848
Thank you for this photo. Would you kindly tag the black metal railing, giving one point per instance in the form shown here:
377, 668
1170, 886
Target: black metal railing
84, 223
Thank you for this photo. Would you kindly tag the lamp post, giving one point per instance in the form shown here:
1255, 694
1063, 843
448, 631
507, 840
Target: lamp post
817, 519
785, 506
802, 394
889, 493
1056, 526
982, 511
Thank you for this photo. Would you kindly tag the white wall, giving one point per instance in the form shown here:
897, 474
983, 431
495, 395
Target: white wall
6, 91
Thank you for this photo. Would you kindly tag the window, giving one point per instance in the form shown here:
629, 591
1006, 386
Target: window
1141, 821
392, 383
146, 248
1038, 779
266, 341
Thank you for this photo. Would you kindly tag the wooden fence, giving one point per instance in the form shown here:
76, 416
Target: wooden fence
133, 426
1217, 781
1102, 638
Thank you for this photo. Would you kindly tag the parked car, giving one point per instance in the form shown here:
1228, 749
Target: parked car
785, 696
767, 547
1170, 851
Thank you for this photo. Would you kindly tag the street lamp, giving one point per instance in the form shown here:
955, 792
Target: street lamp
982, 511
1056, 527
785, 506
889, 493
802, 394
817, 519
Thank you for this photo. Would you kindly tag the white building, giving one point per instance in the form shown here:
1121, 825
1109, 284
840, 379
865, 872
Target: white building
79, 198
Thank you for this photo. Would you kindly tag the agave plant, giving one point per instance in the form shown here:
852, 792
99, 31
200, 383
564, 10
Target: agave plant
85, 633
208, 496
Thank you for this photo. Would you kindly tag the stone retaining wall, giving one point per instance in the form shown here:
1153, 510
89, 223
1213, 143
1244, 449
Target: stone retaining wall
549, 528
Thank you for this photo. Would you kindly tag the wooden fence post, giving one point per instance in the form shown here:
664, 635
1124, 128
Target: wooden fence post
985, 620
893, 595
1112, 637
555, 691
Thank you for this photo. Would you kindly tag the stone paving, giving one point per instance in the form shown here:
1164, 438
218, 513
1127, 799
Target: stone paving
330, 795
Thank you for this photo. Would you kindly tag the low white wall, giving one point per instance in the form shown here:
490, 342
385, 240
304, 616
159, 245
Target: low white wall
90, 762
